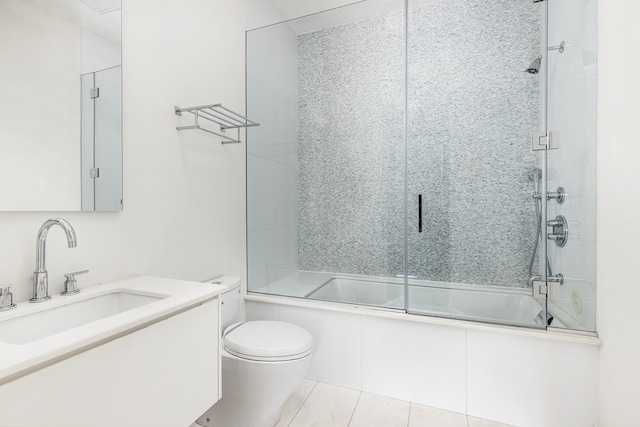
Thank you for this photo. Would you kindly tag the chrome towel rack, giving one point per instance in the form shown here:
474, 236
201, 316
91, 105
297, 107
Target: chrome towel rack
222, 116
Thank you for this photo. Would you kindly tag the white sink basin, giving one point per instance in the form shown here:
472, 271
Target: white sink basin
41, 324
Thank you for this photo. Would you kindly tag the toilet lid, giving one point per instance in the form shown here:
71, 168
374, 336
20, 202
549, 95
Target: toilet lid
267, 340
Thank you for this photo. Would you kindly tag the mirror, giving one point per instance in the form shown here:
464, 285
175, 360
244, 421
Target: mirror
61, 106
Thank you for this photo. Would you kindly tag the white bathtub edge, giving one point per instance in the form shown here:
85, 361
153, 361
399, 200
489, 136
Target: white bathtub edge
552, 334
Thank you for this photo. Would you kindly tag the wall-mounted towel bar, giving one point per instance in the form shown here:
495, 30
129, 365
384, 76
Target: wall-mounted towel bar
222, 116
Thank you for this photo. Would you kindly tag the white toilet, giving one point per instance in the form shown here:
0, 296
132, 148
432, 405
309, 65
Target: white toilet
262, 364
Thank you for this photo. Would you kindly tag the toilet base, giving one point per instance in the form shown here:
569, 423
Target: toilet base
254, 392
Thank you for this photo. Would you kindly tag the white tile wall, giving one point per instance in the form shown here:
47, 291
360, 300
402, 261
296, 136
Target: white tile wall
261, 259
530, 382
407, 361
260, 311
337, 346
522, 380
262, 178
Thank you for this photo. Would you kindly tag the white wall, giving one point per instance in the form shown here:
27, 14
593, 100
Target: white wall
183, 191
98, 53
267, 12
40, 108
619, 212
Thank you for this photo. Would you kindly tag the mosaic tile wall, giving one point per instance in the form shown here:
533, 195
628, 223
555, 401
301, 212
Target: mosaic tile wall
471, 110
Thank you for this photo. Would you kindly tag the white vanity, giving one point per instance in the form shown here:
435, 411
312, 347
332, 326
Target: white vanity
142, 351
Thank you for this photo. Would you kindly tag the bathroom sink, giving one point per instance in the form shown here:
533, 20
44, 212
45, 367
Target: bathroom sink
41, 324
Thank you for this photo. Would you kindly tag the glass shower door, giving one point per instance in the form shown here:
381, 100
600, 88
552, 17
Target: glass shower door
108, 140
472, 220
325, 175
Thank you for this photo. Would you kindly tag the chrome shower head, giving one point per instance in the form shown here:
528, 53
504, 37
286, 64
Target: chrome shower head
534, 68
535, 175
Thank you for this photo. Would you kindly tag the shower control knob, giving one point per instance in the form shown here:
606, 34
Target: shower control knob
559, 230
554, 223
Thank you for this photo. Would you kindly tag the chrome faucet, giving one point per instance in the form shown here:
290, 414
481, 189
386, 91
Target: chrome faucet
40, 277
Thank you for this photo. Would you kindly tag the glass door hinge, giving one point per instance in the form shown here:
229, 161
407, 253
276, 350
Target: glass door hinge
94, 173
545, 141
94, 92
540, 289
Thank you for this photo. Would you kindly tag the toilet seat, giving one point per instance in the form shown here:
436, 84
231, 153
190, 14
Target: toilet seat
267, 341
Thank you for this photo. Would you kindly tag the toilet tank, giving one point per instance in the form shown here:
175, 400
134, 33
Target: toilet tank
229, 300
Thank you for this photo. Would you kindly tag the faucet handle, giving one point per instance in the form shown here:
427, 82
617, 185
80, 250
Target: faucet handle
70, 284
6, 298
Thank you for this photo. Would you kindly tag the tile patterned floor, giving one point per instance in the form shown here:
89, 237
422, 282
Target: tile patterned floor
322, 405
315, 404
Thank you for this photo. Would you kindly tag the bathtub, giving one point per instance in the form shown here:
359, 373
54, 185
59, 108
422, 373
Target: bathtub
488, 304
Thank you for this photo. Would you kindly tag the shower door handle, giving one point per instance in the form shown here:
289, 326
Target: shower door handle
419, 213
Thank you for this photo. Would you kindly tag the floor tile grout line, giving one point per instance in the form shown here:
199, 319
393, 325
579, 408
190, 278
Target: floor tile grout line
354, 409
303, 403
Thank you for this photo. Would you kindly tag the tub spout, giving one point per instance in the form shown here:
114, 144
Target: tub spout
556, 278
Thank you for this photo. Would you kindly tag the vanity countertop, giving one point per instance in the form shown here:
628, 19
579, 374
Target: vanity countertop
173, 296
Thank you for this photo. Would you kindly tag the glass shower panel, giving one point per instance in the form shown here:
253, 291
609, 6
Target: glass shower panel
272, 158
87, 125
394, 167
572, 79
472, 221
108, 140
102, 140
325, 176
